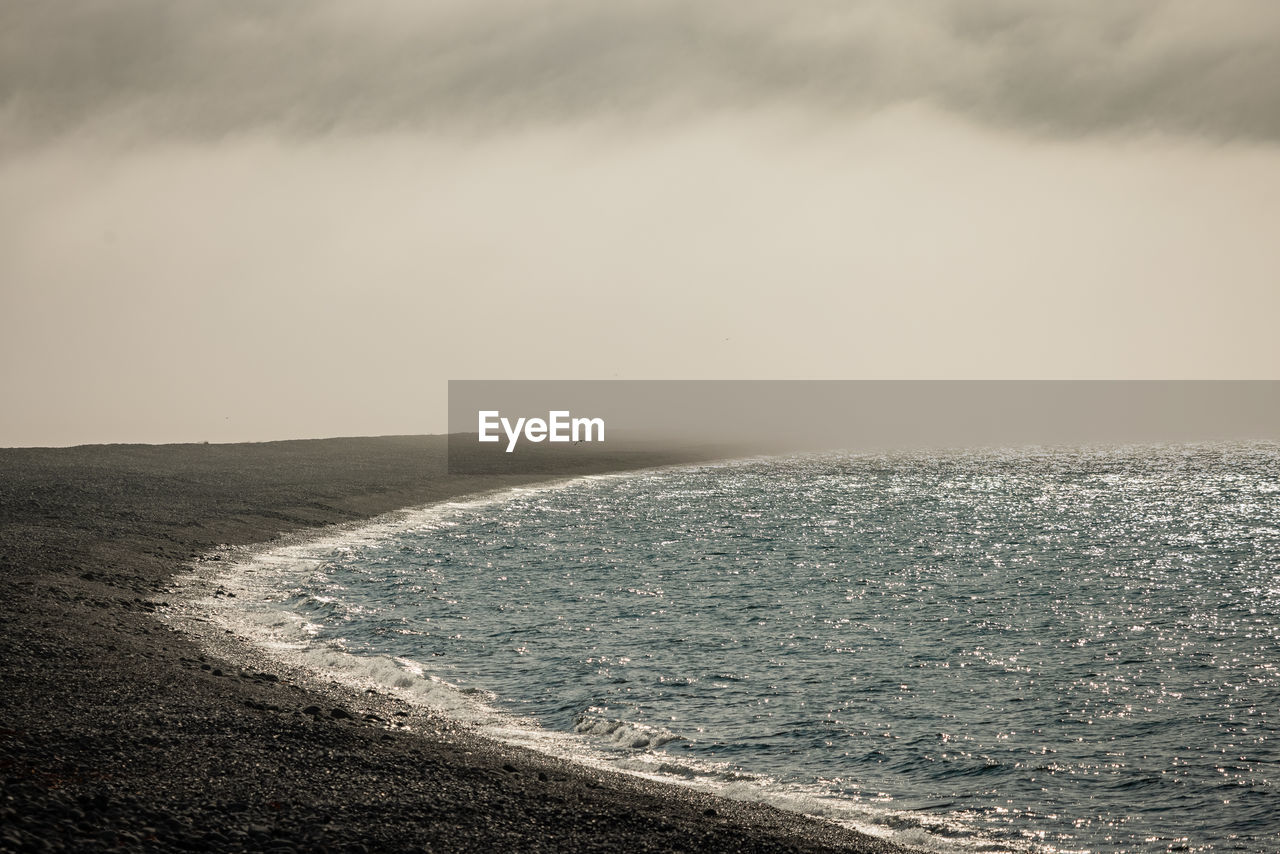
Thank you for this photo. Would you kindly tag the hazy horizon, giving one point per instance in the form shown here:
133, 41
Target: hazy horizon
237, 221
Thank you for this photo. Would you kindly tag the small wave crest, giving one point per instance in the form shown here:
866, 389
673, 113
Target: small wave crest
624, 733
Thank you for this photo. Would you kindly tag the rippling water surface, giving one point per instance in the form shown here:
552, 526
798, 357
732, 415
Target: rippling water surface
1070, 650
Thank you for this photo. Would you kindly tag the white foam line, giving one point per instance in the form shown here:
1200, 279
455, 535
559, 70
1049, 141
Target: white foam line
254, 579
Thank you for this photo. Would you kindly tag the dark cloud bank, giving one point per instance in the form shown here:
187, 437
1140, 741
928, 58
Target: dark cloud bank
301, 67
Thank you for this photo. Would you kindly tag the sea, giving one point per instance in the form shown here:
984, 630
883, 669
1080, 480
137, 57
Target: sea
1023, 649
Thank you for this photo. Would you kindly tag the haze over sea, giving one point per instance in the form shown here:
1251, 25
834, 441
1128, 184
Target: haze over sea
1067, 649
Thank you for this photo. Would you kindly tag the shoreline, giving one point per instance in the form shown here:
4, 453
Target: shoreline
120, 732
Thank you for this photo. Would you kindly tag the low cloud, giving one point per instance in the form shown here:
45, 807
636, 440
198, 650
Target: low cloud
154, 68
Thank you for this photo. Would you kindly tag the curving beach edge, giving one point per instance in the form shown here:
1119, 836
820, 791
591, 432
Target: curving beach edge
121, 732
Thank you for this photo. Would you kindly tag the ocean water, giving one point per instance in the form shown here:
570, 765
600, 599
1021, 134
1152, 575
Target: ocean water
1016, 650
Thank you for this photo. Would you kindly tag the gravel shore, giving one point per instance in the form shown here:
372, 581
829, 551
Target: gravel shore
121, 732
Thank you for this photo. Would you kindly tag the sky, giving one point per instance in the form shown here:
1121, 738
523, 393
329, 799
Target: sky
246, 221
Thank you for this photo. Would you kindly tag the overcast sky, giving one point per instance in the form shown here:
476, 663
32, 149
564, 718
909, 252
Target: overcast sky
246, 220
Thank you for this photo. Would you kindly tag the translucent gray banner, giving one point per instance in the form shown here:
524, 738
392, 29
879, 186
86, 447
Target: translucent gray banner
554, 426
